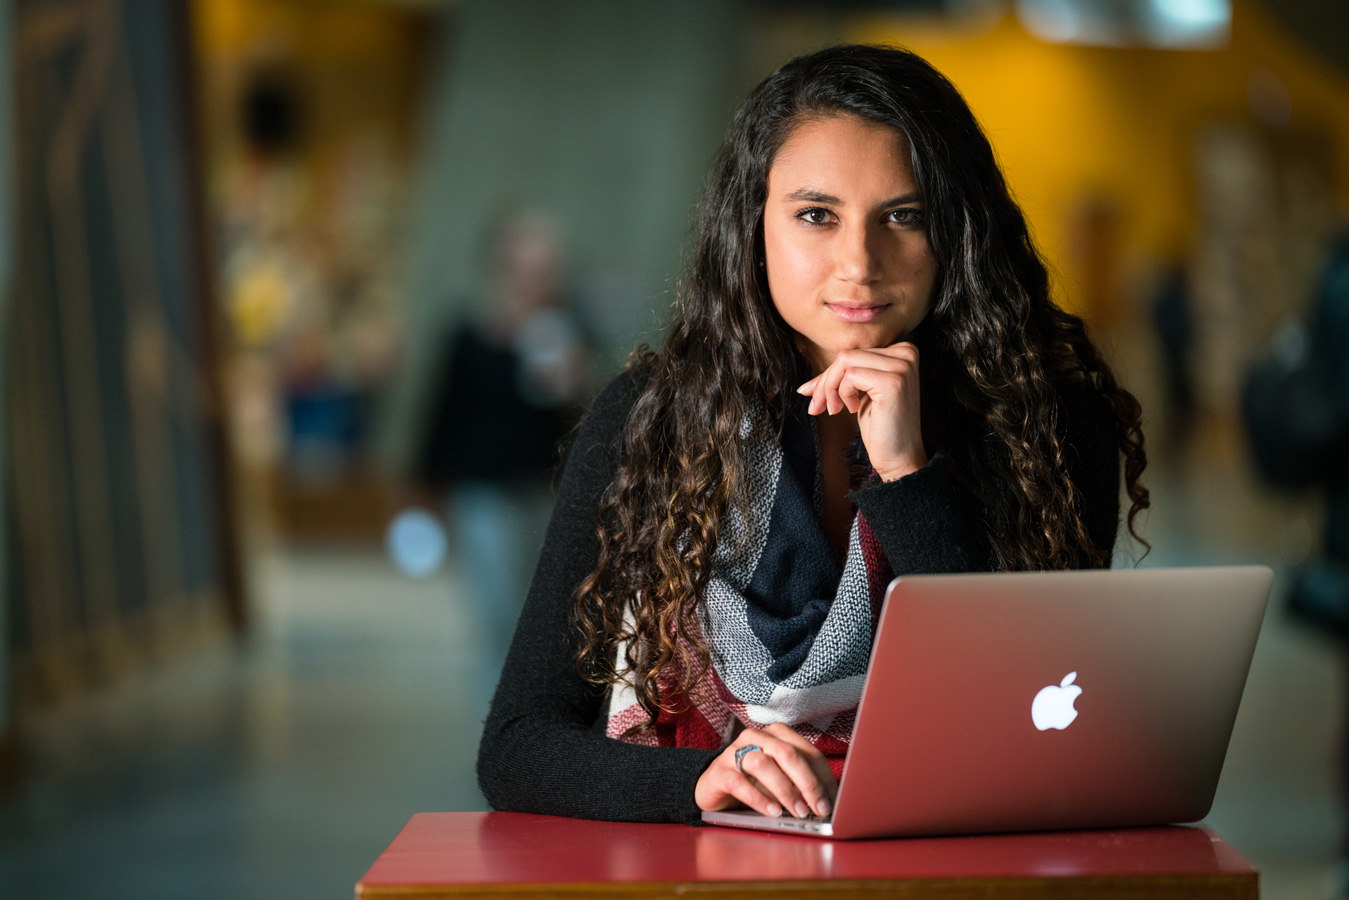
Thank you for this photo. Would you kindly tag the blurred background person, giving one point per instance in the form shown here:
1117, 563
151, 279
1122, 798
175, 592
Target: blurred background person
513, 381
1296, 403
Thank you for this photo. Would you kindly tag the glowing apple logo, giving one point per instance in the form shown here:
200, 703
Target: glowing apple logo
1053, 706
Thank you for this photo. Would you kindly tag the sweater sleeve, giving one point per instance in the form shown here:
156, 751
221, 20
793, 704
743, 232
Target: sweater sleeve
926, 523
541, 749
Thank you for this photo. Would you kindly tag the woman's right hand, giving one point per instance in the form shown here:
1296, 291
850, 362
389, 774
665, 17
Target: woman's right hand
787, 773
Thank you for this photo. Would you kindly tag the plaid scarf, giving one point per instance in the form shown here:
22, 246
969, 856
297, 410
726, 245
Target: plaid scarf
789, 630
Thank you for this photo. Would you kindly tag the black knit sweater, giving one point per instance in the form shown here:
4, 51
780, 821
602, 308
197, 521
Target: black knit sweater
544, 749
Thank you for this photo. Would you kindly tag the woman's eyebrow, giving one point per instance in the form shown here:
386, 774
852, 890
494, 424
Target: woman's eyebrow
809, 195
812, 196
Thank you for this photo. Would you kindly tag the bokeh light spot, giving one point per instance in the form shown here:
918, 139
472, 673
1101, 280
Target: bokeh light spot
416, 542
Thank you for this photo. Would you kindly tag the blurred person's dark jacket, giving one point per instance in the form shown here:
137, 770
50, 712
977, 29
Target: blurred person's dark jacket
484, 423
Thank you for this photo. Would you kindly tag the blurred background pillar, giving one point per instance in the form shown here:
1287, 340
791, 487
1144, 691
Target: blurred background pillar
6, 302
123, 542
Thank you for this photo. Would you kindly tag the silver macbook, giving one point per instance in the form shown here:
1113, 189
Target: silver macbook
1044, 701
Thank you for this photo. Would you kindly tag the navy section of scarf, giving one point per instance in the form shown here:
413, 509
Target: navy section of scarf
789, 629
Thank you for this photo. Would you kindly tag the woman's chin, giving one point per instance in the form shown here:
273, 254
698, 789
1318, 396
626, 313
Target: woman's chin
866, 339
821, 355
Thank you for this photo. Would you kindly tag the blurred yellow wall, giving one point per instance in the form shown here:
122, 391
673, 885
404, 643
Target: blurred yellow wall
1072, 123
362, 63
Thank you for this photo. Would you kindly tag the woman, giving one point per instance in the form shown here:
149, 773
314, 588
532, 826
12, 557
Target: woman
865, 377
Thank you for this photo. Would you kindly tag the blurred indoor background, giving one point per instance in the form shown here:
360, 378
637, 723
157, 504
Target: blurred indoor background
248, 604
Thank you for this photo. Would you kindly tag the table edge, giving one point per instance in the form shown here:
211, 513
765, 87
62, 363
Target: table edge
1238, 886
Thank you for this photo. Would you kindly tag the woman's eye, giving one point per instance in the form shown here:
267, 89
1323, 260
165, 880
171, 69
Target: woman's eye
814, 216
907, 216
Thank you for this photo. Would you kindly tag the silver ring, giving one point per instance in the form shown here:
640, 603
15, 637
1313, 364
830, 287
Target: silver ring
740, 754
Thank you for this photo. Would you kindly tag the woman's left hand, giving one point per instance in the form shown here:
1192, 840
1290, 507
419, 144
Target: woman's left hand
880, 385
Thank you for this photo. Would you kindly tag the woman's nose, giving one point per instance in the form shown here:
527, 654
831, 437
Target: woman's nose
855, 256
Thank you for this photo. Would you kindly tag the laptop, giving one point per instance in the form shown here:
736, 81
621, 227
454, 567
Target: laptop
1044, 701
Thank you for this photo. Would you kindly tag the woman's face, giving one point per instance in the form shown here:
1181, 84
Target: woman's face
845, 243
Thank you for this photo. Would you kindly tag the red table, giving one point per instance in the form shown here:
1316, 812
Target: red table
499, 855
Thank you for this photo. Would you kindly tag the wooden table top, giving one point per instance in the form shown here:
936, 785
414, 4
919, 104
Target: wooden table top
497, 855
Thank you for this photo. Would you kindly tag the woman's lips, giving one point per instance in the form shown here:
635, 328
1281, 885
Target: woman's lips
857, 312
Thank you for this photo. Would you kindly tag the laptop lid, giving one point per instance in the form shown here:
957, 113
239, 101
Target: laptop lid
1030, 701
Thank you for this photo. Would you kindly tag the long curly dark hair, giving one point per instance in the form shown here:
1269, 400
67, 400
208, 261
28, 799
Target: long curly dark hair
995, 353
